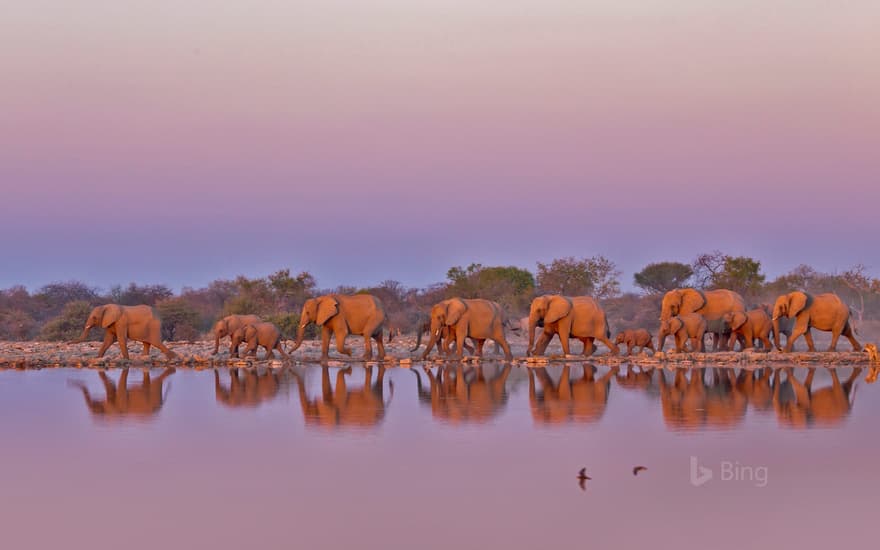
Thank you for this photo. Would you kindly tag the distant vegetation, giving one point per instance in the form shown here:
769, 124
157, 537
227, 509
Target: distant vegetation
58, 311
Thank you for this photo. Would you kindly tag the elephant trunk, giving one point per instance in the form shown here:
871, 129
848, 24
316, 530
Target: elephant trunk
533, 322
431, 342
418, 337
300, 334
84, 335
661, 339
776, 333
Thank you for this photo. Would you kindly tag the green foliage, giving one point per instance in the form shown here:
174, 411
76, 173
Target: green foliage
739, 273
659, 278
512, 287
287, 323
134, 295
68, 325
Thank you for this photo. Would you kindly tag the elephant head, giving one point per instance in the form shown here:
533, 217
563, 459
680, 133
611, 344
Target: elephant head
315, 310
735, 319
667, 327
444, 315
545, 310
103, 316
683, 300
788, 305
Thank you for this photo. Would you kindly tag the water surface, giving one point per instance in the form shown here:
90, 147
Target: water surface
462, 457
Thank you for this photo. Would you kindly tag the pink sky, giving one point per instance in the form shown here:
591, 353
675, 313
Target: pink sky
182, 141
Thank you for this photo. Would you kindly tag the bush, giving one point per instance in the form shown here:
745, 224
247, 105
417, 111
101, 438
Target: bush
68, 325
180, 321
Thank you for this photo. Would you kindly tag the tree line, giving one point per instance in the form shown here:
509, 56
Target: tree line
57, 311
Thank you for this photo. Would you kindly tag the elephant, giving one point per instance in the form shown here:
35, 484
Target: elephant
259, 334
476, 319
752, 325
639, 338
825, 312
250, 391
445, 340
339, 406
797, 405
581, 400
141, 402
711, 304
464, 394
229, 324
578, 317
121, 323
643, 379
687, 326
720, 331
340, 315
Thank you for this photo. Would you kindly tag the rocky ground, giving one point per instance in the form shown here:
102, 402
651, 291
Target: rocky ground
23, 355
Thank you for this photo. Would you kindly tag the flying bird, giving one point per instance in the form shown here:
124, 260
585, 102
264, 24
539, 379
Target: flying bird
638, 469
583, 478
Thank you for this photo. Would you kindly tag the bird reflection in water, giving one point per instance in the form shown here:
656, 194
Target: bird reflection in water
583, 399
339, 406
798, 405
247, 390
140, 402
460, 393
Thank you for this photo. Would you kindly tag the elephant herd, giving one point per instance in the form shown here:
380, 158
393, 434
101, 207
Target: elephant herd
687, 315
455, 394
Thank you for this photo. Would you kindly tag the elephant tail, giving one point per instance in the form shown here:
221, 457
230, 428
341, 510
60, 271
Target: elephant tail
607, 329
390, 332
391, 391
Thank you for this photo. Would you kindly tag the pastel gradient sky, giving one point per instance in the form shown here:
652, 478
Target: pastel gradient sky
182, 141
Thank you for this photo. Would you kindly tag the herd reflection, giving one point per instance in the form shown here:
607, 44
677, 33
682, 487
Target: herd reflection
690, 399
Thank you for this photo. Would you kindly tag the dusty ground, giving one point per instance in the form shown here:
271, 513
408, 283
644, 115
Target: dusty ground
199, 354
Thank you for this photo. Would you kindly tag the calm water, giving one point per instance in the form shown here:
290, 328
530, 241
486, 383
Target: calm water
463, 458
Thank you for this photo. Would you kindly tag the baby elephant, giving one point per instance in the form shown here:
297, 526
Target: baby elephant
639, 338
258, 334
690, 325
750, 326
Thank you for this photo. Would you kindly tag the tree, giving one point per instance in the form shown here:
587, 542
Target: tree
596, 276
135, 295
68, 325
741, 273
856, 279
659, 278
510, 286
706, 267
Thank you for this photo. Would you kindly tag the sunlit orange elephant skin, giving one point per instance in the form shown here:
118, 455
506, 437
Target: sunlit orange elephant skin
124, 323
141, 402
825, 312
227, 326
711, 304
578, 317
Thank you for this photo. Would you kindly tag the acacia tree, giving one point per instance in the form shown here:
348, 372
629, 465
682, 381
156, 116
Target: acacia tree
661, 277
596, 276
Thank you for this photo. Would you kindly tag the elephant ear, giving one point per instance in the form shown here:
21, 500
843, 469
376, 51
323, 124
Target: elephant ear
560, 306
797, 302
249, 332
112, 314
675, 325
737, 320
327, 308
692, 300
454, 310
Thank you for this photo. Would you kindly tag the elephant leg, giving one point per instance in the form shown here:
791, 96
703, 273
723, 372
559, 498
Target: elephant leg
480, 342
848, 333
122, 338
368, 346
611, 345
164, 349
800, 329
325, 342
461, 332
808, 336
589, 347
108, 341
339, 334
835, 336
146, 352
501, 341
381, 347
564, 332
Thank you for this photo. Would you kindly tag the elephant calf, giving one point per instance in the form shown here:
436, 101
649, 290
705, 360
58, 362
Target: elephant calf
640, 338
683, 327
749, 326
258, 334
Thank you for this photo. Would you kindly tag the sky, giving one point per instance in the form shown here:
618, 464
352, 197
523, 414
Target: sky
183, 141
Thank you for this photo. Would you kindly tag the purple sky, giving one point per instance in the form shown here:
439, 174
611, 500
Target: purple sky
179, 142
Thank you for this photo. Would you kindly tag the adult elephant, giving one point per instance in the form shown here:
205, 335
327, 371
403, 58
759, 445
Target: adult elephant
823, 312
477, 319
123, 323
578, 317
228, 325
711, 304
339, 406
142, 402
340, 315
445, 339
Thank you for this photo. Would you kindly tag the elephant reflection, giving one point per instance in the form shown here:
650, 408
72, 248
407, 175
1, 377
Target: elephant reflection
460, 394
581, 400
797, 405
248, 391
641, 380
140, 402
757, 387
339, 406
692, 403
